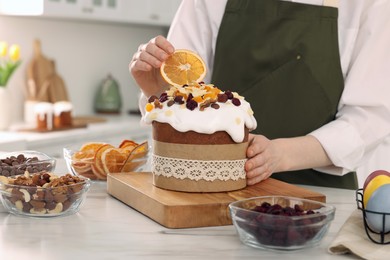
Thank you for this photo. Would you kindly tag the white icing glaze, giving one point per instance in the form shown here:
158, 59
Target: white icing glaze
62, 106
45, 108
228, 118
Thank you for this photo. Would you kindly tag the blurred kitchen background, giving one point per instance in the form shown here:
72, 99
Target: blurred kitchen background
87, 39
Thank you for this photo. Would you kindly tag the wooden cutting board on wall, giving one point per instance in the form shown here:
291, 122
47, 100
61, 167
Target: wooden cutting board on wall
44, 84
188, 210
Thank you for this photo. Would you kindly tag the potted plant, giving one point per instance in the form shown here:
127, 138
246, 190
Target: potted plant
9, 62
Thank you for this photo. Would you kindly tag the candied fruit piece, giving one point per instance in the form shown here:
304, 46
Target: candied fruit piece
179, 99
190, 97
157, 104
236, 101
191, 104
210, 96
152, 98
149, 107
229, 94
215, 105
222, 98
198, 99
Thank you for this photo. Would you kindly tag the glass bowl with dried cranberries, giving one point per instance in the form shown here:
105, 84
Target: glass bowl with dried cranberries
280, 222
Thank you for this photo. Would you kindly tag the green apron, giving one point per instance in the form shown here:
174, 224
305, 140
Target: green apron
284, 58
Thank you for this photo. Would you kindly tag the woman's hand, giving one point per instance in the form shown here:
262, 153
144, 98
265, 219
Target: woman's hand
146, 63
263, 159
284, 154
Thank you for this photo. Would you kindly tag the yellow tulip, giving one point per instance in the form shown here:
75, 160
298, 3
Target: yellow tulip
3, 49
14, 52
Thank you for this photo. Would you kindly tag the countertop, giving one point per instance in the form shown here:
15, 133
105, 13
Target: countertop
106, 228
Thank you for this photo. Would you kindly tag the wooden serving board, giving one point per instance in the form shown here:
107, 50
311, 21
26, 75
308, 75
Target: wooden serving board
174, 209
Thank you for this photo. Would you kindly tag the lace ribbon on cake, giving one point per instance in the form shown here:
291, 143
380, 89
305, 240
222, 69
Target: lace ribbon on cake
196, 170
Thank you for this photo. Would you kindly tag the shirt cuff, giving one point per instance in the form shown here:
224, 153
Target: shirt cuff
142, 101
343, 145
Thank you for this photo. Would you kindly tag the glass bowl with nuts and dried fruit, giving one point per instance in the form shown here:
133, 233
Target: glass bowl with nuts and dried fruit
280, 222
16, 163
43, 194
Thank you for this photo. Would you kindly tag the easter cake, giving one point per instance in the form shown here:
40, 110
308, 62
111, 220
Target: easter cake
200, 136
62, 111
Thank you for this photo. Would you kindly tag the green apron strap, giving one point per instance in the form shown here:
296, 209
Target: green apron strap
284, 58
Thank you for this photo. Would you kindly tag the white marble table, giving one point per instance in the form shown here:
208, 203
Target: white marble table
105, 228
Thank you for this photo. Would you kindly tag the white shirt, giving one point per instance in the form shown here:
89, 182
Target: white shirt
359, 139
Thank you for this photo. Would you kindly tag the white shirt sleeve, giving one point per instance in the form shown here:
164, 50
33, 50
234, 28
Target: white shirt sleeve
363, 118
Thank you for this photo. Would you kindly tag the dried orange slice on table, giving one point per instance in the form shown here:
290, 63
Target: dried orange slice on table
97, 166
136, 158
128, 145
113, 160
83, 158
183, 67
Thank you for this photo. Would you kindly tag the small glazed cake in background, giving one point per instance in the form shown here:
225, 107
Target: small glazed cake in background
62, 112
43, 112
200, 136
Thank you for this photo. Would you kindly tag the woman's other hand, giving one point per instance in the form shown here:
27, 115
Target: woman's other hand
284, 154
146, 63
263, 159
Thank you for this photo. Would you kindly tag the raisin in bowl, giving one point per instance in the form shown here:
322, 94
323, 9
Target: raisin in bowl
16, 163
43, 194
281, 223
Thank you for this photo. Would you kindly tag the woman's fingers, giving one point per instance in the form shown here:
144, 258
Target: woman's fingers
260, 163
163, 44
151, 55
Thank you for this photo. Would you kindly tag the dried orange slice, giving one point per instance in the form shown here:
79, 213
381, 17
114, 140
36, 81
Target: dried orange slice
81, 166
82, 159
183, 67
91, 148
136, 158
127, 146
113, 160
99, 174
97, 166
127, 143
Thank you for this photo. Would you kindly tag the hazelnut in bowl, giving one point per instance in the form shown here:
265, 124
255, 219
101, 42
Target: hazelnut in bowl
280, 222
96, 160
43, 194
16, 163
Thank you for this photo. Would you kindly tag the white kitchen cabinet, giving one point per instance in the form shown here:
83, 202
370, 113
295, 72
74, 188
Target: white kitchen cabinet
150, 12
99, 10
162, 12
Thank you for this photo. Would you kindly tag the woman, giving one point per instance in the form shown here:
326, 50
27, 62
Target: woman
314, 71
